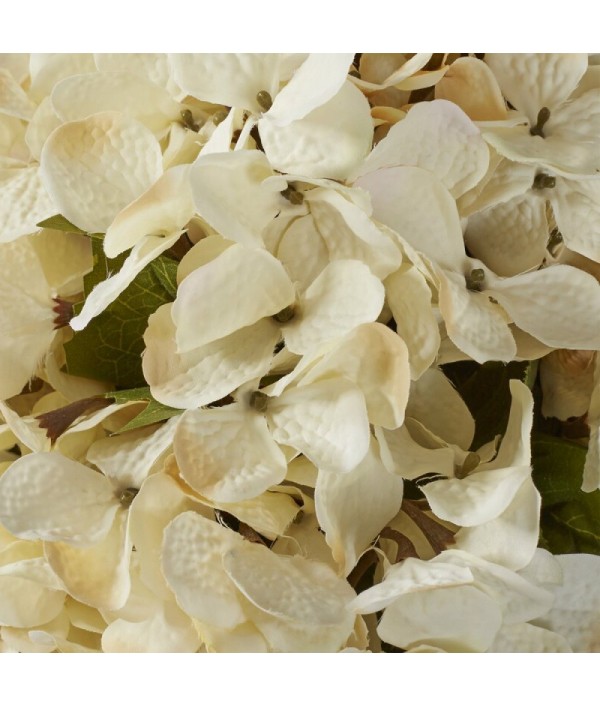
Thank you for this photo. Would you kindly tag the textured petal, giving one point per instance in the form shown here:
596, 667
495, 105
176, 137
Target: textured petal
93, 168
455, 618
303, 252
436, 136
13, 99
48, 496
64, 258
566, 378
228, 454
478, 498
512, 236
376, 361
567, 306
352, 508
231, 194
80, 96
227, 79
291, 588
528, 638
470, 84
43, 122
193, 548
415, 204
575, 204
96, 575
475, 324
410, 576
345, 295
163, 210
207, 373
315, 82
24, 202
304, 146
234, 290
326, 421
449, 418
48, 69
402, 455
534, 81
109, 289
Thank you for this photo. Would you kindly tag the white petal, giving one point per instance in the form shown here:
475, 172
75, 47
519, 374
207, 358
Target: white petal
528, 638
231, 194
228, 454
292, 588
326, 421
410, 576
478, 498
164, 209
109, 289
207, 373
48, 496
152, 67
405, 457
352, 508
48, 69
449, 418
41, 125
315, 82
575, 207
375, 359
515, 449
202, 252
345, 295
193, 548
24, 202
96, 575
304, 146
303, 252
436, 136
566, 313
534, 81
80, 96
13, 99
415, 204
64, 257
236, 289
93, 168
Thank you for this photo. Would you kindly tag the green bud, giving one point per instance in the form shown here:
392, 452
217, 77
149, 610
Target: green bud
259, 401
542, 118
475, 279
264, 100
285, 315
544, 181
127, 496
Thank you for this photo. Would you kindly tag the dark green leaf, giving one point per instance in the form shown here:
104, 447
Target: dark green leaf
59, 223
111, 345
136, 395
165, 271
153, 413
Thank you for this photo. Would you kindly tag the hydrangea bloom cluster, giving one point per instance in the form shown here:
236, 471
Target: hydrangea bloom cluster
298, 353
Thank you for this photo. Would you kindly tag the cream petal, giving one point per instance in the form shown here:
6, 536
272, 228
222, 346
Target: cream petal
575, 207
24, 202
326, 421
475, 324
231, 194
510, 237
534, 81
352, 508
454, 618
96, 575
47, 496
528, 638
436, 136
227, 79
303, 252
478, 498
515, 448
315, 82
48, 69
162, 210
202, 252
207, 373
14, 100
345, 295
64, 257
449, 418
415, 204
192, 553
152, 67
304, 146
26, 430
578, 121
567, 306
291, 588
93, 168
227, 454
402, 455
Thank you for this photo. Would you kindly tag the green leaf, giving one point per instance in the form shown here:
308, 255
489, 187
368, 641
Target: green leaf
111, 345
153, 413
570, 521
136, 395
59, 223
165, 271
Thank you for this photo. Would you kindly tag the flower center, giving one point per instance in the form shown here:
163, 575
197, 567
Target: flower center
126, 497
285, 315
544, 181
542, 118
475, 280
264, 100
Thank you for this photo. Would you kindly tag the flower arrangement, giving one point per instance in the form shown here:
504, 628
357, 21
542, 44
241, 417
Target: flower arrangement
298, 353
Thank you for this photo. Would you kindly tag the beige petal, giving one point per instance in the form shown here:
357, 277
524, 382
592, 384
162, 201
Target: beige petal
26, 600
515, 449
193, 549
304, 146
93, 168
236, 289
352, 508
228, 454
303, 252
402, 455
65, 258
528, 638
24, 201
152, 67
13, 99
345, 295
575, 207
41, 125
48, 69
48, 496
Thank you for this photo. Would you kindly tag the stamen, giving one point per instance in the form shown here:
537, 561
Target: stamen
187, 119
542, 119
475, 280
264, 100
544, 181
127, 496
259, 401
554, 241
292, 195
285, 315
219, 116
